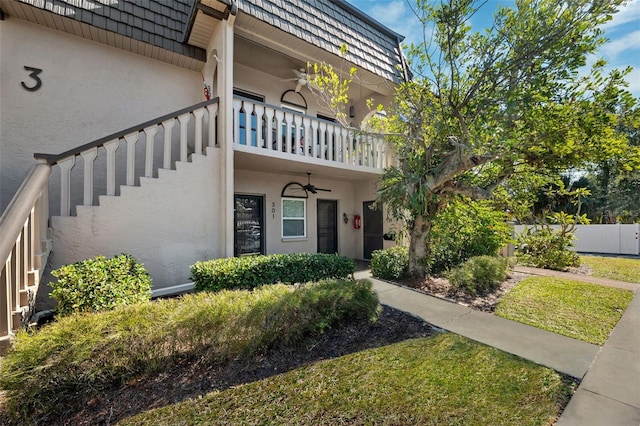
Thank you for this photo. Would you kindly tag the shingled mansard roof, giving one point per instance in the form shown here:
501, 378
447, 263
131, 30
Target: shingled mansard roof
166, 23
329, 24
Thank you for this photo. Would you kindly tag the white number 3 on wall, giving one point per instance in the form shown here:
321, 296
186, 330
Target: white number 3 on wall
34, 75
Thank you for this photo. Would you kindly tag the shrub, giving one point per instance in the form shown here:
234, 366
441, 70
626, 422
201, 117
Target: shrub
479, 275
252, 271
391, 263
71, 361
544, 247
466, 229
100, 284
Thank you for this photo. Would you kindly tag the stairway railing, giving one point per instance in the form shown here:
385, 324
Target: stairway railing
191, 119
24, 240
24, 248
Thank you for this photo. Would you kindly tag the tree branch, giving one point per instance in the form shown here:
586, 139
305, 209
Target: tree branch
456, 162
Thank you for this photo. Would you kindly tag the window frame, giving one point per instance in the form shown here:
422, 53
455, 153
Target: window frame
303, 218
249, 136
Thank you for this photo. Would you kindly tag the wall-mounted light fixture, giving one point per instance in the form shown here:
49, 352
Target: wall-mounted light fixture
345, 218
352, 111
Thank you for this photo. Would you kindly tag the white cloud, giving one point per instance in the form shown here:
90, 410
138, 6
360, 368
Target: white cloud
630, 41
392, 13
634, 81
628, 13
398, 16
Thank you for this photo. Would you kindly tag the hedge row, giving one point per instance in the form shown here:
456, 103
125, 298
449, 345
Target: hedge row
67, 363
253, 271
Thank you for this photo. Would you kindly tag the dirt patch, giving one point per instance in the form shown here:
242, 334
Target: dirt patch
581, 270
440, 287
193, 378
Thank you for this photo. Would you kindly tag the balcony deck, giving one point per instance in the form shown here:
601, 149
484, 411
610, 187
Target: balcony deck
270, 138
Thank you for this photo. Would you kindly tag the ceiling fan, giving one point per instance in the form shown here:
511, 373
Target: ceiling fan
301, 79
312, 188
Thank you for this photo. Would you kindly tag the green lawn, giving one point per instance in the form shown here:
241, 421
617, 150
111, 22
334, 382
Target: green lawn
442, 380
615, 268
579, 310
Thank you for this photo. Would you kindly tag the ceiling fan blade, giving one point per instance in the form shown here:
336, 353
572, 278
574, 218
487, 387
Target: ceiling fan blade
322, 189
300, 73
299, 85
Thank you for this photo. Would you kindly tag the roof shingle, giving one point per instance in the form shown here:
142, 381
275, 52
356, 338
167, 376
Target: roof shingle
324, 23
157, 22
331, 23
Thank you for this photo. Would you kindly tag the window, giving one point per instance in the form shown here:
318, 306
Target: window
294, 218
247, 135
297, 132
248, 95
331, 143
326, 118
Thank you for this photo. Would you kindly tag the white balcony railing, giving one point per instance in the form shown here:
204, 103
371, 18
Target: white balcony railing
261, 128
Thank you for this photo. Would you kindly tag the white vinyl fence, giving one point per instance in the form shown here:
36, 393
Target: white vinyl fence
606, 239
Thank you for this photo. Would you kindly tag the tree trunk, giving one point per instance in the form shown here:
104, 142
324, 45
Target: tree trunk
419, 248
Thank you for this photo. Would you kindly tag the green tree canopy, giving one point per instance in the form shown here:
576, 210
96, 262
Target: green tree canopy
507, 103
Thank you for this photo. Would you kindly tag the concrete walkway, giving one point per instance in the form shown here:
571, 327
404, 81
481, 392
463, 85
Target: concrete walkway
578, 277
609, 393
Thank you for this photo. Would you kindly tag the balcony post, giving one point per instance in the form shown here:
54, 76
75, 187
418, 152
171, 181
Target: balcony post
150, 138
65, 184
198, 115
168, 129
88, 158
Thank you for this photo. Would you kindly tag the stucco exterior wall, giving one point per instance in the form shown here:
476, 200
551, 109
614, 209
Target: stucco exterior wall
270, 186
167, 223
88, 91
349, 195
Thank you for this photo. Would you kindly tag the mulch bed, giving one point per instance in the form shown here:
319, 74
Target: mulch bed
440, 287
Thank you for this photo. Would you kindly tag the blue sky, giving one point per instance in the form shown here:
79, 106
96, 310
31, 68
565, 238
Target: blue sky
623, 32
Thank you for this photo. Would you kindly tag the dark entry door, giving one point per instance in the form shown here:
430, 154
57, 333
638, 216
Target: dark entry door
249, 225
327, 226
372, 229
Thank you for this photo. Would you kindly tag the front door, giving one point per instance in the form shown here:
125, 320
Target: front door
327, 226
249, 225
372, 229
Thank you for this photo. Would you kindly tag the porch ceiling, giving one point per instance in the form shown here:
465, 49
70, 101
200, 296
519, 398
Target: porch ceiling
203, 29
207, 17
277, 164
258, 43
